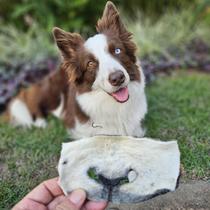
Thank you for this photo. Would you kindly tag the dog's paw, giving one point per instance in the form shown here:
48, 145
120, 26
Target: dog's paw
40, 123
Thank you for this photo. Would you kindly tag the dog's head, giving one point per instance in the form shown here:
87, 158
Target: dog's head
104, 62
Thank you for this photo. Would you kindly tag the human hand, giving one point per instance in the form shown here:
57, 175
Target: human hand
49, 196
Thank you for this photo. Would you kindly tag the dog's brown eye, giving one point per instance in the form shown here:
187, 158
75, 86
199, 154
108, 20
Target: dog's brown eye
90, 64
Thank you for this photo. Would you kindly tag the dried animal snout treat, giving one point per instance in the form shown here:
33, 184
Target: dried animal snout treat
119, 169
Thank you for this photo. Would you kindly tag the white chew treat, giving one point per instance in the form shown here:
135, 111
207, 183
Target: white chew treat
125, 169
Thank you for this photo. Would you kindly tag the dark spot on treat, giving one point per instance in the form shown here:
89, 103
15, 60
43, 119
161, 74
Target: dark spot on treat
65, 162
110, 183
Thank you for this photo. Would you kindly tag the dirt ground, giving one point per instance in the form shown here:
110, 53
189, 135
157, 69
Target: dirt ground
190, 196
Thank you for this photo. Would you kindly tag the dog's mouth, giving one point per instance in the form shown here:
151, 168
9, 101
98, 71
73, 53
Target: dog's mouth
121, 95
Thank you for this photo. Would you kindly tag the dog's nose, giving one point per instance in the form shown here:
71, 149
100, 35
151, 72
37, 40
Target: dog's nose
116, 78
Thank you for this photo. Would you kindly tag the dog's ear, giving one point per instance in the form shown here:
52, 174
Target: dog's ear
67, 42
111, 21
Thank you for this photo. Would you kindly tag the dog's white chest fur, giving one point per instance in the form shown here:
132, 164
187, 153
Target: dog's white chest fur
109, 117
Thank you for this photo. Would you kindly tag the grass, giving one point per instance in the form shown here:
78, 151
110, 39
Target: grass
178, 109
26, 158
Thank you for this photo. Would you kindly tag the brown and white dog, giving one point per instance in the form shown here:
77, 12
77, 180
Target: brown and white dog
99, 88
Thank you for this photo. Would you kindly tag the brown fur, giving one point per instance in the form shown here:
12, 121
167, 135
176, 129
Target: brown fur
73, 110
44, 96
118, 37
124, 57
79, 68
76, 58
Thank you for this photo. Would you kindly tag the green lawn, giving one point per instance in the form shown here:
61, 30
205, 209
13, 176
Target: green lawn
179, 108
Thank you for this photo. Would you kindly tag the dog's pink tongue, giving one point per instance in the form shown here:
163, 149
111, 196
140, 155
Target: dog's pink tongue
121, 95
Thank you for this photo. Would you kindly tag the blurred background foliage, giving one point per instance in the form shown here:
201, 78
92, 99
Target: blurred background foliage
81, 15
25, 25
174, 29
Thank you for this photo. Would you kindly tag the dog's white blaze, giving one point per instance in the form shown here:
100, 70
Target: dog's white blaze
20, 115
98, 46
114, 118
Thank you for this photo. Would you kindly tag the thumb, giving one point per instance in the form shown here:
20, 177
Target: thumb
74, 201
77, 197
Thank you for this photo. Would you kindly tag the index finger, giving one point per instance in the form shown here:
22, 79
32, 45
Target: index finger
45, 192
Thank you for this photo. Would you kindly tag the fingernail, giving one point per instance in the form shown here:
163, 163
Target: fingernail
77, 197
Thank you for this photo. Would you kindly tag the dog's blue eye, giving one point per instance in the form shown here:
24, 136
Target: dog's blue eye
117, 51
